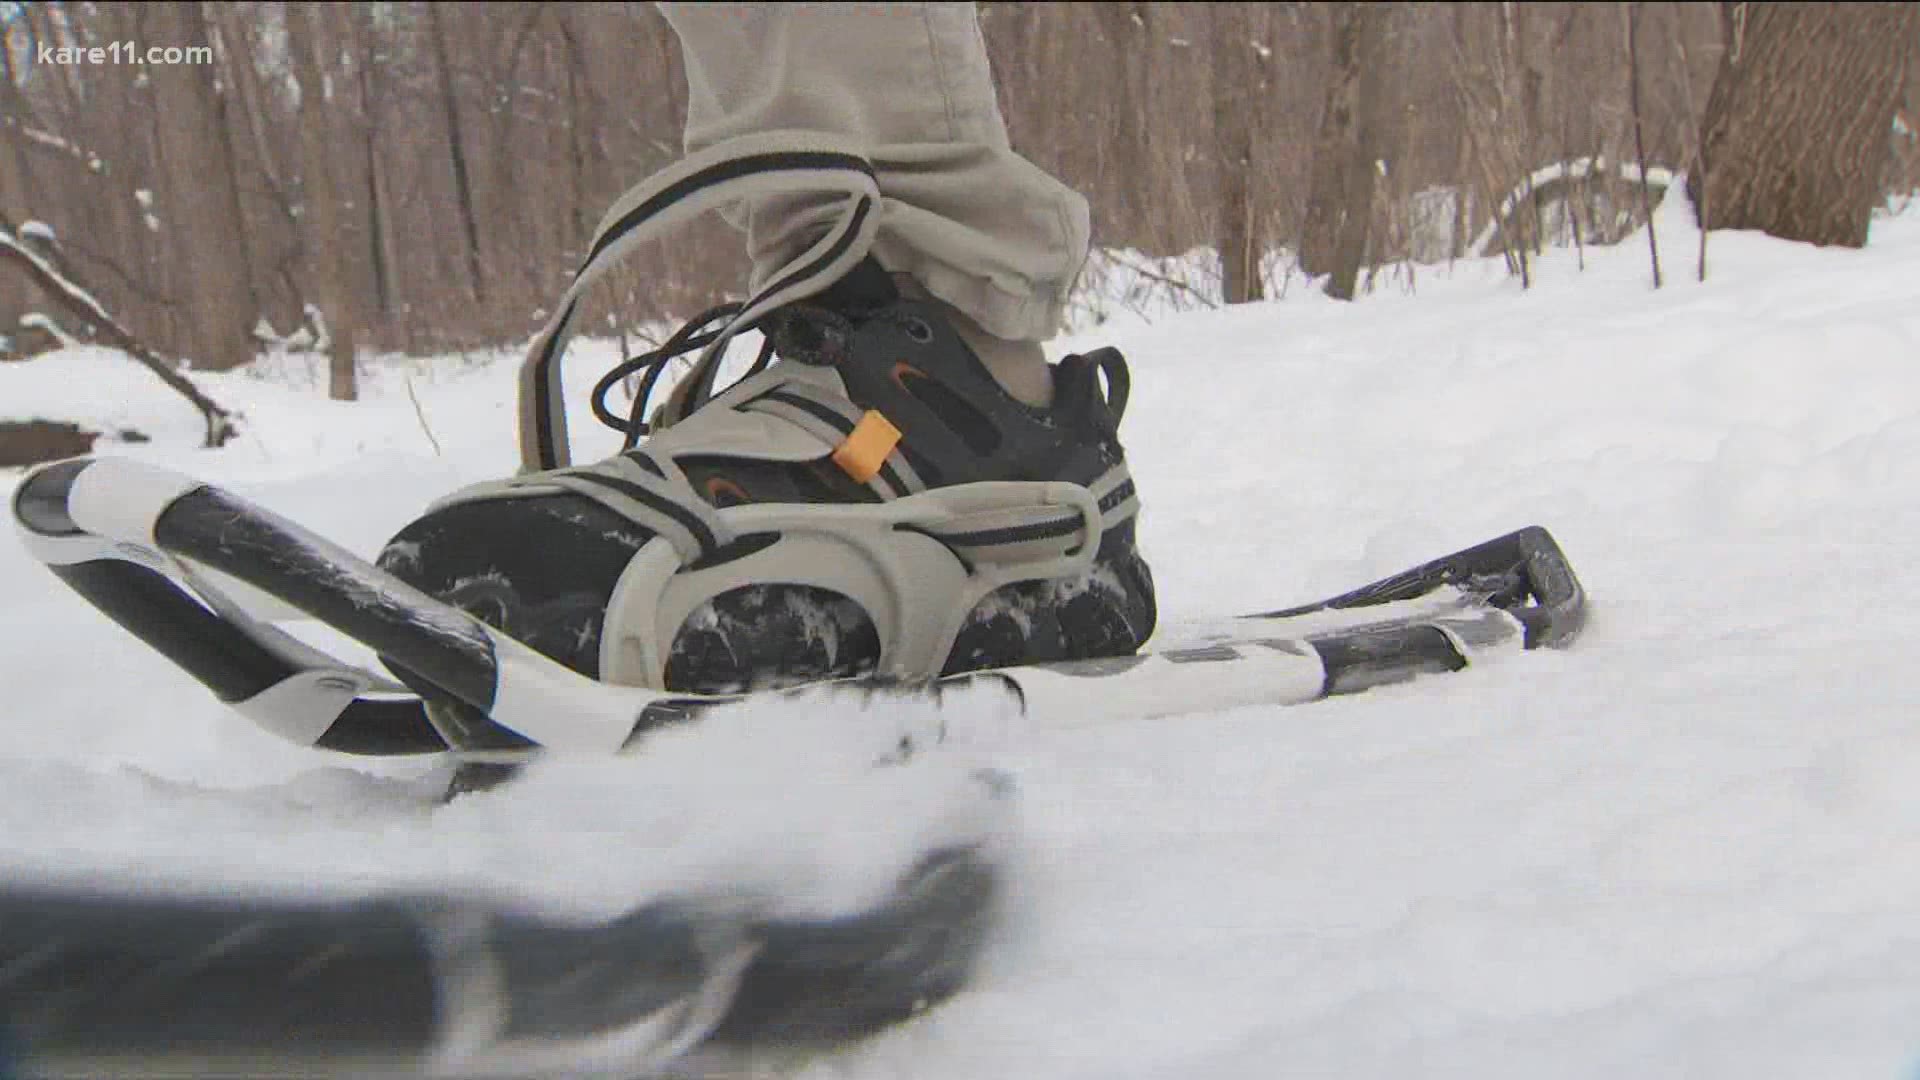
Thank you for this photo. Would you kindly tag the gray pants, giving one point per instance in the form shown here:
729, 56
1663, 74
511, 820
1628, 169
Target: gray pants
974, 223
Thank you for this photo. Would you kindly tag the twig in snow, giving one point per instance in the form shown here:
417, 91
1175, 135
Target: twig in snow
421, 414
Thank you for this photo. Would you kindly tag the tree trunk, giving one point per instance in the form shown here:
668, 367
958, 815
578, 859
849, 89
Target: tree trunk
583, 113
321, 221
268, 229
17, 195
1796, 137
515, 223
1125, 26
1340, 204
1530, 79
137, 222
1639, 138
1234, 76
456, 148
249, 93
380, 253
203, 216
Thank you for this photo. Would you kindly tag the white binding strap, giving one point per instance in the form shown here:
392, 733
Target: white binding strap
766, 164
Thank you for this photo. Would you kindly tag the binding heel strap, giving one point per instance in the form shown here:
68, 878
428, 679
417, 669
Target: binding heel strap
764, 164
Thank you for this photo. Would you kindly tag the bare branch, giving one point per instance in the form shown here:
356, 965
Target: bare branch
81, 303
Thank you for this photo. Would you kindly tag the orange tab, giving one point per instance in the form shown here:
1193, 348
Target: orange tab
866, 449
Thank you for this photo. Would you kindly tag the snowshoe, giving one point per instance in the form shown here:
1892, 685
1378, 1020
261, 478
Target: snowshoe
204, 577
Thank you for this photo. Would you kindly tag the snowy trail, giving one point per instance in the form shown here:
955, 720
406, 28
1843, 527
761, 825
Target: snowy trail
1688, 847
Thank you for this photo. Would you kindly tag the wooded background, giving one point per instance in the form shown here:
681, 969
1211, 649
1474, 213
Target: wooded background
427, 175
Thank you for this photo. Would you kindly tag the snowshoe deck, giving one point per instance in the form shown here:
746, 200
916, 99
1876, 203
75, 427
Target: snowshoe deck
202, 576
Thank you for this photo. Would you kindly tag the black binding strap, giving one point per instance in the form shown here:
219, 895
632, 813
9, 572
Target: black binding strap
545, 429
688, 519
715, 175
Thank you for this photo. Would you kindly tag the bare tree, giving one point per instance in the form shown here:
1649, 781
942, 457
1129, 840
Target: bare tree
1340, 210
252, 109
1237, 86
328, 267
1903, 171
1796, 136
202, 198
17, 188
471, 149
457, 152
1126, 29
1634, 10
370, 66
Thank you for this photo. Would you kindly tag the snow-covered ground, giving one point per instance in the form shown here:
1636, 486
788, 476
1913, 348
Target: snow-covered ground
1688, 847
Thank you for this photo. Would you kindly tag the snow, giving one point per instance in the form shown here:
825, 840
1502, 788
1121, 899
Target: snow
1688, 847
34, 320
144, 197
59, 145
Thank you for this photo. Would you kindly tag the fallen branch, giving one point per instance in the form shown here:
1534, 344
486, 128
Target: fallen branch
1558, 181
82, 305
1124, 261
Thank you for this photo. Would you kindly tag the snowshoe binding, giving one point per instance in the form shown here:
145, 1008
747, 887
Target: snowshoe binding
867, 500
